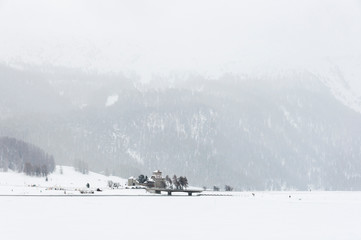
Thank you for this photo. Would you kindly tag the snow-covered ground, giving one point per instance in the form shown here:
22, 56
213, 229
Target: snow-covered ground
267, 215
64, 179
28, 212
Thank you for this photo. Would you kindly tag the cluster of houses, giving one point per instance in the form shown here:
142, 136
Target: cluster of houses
155, 181
157, 184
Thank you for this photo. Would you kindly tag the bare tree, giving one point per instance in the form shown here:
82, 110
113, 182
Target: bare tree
81, 166
110, 183
5, 165
44, 170
37, 171
24, 157
28, 169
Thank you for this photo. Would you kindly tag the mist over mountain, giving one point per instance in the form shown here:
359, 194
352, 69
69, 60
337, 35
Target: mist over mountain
285, 130
252, 94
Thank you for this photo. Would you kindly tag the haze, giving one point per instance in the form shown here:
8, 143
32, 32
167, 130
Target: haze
252, 94
159, 37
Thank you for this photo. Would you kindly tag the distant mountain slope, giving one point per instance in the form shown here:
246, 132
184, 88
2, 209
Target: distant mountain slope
342, 76
25, 92
277, 131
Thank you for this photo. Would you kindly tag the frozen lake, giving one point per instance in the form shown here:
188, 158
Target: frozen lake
267, 215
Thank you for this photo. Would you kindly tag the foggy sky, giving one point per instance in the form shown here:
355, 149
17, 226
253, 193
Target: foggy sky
162, 36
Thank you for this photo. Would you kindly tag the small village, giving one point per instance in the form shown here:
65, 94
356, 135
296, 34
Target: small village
158, 184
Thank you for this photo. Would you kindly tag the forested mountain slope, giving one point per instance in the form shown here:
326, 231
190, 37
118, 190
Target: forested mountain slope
20, 156
277, 131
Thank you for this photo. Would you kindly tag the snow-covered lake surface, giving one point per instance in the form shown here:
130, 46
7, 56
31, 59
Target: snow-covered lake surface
267, 215
30, 208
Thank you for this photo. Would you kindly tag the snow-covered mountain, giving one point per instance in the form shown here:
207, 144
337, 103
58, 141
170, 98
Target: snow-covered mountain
342, 75
278, 130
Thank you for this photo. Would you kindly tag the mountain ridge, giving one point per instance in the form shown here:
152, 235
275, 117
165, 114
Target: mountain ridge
286, 133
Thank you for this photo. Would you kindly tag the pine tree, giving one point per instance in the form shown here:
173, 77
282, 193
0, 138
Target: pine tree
168, 181
185, 182
181, 182
141, 178
175, 182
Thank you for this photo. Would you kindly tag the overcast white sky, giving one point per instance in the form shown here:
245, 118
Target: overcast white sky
159, 36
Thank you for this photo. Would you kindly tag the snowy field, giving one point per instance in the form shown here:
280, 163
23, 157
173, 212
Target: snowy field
267, 215
32, 208
64, 178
